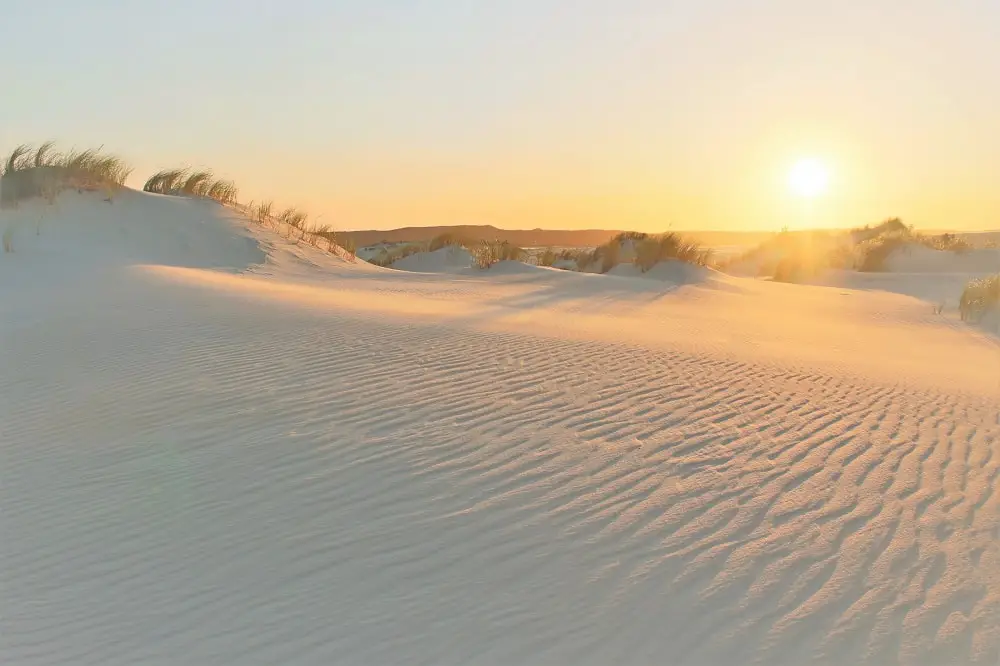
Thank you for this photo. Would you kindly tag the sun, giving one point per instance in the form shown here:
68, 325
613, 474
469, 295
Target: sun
808, 178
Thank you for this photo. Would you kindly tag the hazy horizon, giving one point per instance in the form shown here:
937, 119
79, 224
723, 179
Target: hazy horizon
637, 115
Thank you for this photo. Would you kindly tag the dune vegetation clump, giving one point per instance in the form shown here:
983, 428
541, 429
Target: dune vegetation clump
27, 173
980, 298
489, 253
449, 240
876, 244
651, 250
387, 257
644, 251
185, 182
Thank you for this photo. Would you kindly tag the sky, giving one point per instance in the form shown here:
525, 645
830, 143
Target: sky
625, 114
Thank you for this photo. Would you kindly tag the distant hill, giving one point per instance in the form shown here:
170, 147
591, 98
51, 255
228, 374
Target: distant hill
536, 237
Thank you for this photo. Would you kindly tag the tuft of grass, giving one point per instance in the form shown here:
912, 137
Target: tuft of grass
293, 217
634, 236
262, 212
488, 253
387, 258
881, 241
184, 182
197, 183
18, 160
167, 181
448, 239
27, 173
655, 249
979, 298
345, 242
223, 191
547, 258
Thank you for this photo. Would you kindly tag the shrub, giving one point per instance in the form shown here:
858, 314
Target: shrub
979, 298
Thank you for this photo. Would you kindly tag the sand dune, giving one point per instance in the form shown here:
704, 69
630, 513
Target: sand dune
222, 447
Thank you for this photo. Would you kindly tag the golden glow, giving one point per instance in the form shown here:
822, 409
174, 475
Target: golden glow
808, 178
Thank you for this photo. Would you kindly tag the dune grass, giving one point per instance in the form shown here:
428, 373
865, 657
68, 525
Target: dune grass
184, 182
796, 256
292, 222
874, 251
646, 250
651, 250
29, 172
387, 257
979, 298
449, 239
488, 253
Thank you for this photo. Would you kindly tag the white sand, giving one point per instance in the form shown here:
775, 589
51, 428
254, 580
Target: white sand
320, 462
915, 258
450, 259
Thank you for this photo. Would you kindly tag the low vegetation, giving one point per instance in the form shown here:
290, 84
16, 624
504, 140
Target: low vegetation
644, 251
797, 256
43, 172
651, 250
449, 240
874, 251
184, 182
489, 253
291, 222
980, 298
387, 257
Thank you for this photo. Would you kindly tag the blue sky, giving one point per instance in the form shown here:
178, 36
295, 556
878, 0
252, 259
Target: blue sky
629, 113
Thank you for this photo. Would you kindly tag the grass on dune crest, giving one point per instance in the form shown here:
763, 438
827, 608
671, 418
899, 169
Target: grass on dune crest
29, 172
291, 222
184, 182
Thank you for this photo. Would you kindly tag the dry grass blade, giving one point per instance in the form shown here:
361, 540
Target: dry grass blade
166, 181
42, 157
294, 217
197, 183
223, 191
18, 160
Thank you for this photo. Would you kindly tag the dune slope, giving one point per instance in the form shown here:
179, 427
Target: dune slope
298, 460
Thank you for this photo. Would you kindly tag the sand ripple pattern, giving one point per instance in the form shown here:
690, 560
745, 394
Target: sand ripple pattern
189, 479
